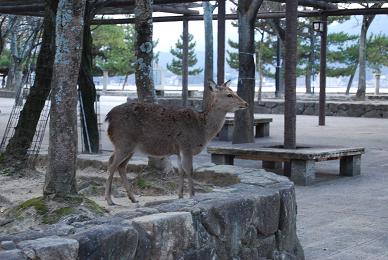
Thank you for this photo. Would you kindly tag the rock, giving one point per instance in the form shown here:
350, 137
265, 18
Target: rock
12, 255
7, 245
171, 234
54, 247
107, 242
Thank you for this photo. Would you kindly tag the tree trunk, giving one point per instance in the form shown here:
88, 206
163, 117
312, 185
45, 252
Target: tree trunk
60, 176
362, 60
290, 74
16, 151
143, 67
366, 22
125, 81
351, 79
243, 129
144, 51
88, 93
208, 71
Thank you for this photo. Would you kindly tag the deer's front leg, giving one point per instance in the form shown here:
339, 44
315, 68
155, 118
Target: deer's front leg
187, 165
181, 177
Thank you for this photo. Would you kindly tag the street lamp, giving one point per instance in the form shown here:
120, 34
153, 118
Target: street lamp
318, 26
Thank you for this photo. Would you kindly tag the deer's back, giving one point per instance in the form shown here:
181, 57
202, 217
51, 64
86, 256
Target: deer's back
156, 129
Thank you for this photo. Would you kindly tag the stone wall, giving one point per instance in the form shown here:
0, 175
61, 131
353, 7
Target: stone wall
333, 108
253, 219
347, 109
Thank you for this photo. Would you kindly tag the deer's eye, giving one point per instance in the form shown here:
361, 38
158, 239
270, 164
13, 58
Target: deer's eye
230, 95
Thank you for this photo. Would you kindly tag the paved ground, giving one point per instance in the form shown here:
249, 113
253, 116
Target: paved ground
338, 217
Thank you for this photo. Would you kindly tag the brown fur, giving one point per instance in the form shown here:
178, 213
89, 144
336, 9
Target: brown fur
160, 131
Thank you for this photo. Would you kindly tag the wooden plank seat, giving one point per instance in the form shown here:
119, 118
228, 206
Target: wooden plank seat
161, 92
301, 167
261, 127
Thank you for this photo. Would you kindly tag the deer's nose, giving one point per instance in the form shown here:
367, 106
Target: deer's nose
245, 105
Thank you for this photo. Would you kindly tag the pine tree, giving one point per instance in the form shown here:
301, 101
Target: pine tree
176, 65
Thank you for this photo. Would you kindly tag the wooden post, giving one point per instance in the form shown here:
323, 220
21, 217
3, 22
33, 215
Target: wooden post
290, 74
277, 72
322, 73
221, 42
185, 64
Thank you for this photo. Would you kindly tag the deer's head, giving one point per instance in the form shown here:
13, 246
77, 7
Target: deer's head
224, 98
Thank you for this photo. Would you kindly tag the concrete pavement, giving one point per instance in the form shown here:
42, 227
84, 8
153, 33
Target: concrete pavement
338, 217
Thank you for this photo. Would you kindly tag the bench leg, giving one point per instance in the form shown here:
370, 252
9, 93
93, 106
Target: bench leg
350, 165
302, 172
226, 133
262, 130
272, 165
222, 159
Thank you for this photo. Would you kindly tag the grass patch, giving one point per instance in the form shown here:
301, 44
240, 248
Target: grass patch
143, 184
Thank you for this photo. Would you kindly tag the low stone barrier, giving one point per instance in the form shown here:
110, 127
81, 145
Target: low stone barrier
347, 109
333, 108
253, 219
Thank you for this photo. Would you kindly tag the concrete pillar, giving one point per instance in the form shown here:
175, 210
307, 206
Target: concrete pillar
377, 89
302, 172
350, 165
105, 80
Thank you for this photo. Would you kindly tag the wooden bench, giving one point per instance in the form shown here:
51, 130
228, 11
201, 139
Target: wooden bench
160, 92
261, 128
301, 167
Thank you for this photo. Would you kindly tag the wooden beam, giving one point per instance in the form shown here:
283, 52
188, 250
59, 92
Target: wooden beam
174, 10
312, 3
290, 61
185, 62
221, 42
322, 73
272, 15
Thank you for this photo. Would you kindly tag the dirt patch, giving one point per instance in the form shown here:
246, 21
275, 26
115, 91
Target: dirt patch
22, 195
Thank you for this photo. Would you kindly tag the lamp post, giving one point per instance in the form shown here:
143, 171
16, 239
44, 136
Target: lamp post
321, 28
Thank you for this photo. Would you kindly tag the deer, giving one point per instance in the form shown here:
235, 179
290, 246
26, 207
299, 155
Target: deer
160, 131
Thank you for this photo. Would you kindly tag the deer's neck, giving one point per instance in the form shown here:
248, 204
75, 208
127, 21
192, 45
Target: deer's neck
214, 120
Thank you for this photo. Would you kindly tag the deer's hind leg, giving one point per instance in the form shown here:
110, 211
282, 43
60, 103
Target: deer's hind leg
187, 166
181, 177
124, 179
118, 158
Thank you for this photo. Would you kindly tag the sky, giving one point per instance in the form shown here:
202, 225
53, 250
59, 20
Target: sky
168, 33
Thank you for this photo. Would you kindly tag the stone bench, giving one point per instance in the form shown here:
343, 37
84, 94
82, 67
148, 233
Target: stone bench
301, 168
261, 128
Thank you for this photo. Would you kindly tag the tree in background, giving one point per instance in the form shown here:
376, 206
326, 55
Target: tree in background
377, 56
377, 52
342, 56
366, 22
114, 49
265, 51
176, 64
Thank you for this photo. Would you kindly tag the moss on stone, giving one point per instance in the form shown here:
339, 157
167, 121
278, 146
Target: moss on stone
56, 215
38, 203
94, 206
51, 211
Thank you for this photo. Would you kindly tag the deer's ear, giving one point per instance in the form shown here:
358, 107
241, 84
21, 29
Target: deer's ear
212, 86
227, 84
